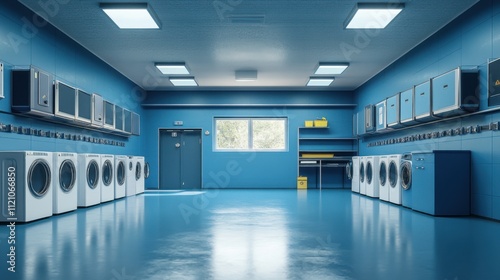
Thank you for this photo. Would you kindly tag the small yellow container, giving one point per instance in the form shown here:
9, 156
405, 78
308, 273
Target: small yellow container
309, 123
320, 123
317, 155
301, 182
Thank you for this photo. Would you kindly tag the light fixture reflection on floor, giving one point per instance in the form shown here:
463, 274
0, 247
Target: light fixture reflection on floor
373, 15
131, 15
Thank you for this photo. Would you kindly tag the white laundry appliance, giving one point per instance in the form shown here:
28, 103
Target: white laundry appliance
26, 186
89, 182
139, 174
362, 175
108, 180
383, 178
394, 179
130, 181
372, 176
355, 174
64, 177
120, 176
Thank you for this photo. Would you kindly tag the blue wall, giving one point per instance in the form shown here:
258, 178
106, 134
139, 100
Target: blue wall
255, 170
26, 40
469, 40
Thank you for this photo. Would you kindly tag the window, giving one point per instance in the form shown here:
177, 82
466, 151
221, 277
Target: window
256, 134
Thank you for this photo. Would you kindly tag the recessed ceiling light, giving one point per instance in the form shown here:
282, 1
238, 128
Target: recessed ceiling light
319, 82
245, 75
172, 68
331, 68
131, 15
184, 82
373, 15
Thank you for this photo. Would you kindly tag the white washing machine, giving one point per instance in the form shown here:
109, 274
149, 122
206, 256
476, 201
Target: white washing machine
130, 182
108, 179
355, 174
26, 186
120, 176
64, 176
372, 176
362, 175
394, 179
383, 169
139, 174
89, 181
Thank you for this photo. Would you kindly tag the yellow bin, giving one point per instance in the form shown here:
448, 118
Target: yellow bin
302, 182
309, 123
320, 123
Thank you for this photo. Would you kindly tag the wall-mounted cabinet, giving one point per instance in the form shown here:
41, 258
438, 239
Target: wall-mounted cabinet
32, 92
393, 112
406, 108
83, 107
136, 124
1, 80
127, 121
423, 102
65, 101
494, 82
118, 118
109, 115
380, 117
97, 110
369, 118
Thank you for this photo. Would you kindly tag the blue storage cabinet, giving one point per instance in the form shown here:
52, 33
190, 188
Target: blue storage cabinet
380, 116
423, 102
407, 116
369, 118
454, 93
441, 182
393, 111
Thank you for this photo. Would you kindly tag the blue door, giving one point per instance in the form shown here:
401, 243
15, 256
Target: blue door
180, 159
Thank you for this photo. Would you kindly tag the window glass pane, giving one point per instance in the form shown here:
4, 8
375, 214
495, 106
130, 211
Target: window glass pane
268, 134
232, 134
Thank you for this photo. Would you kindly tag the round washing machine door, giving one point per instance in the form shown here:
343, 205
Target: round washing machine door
92, 174
383, 173
406, 175
348, 170
138, 171
67, 175
393, 174
39, 178
369, 172
107, 173
120, 173
362, 172
146, 170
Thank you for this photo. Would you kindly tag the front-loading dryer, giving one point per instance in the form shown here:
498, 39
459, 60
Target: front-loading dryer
130, 181
394, 179
372, 176
64, 177
139, 174
89, 182
362, 175
120, 176
26, 193
355, 174
383, 172
405, 175
108, 180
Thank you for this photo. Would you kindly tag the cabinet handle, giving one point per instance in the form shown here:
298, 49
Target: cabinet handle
420, 167
392, 105
445, 86
406, 100
420, 159
422, 93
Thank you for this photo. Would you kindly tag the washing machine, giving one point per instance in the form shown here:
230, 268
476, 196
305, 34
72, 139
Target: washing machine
405, 175
139, 174
355, 174
394, 179
108, 180
120, 176
64, 176
89, 183
383, 174
372, 176
130, 181
362, 175
26, 186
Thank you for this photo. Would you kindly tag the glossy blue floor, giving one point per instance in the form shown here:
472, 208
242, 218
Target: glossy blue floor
253, 234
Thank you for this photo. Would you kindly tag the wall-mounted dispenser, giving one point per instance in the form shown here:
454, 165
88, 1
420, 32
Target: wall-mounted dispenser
32, 92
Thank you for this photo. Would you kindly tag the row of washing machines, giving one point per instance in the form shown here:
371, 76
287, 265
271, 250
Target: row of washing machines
387, 177
37, 184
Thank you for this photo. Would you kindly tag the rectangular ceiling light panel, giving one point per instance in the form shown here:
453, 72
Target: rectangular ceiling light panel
373, 15
131, 15
184, 82
172, 68
319, 82
331, 68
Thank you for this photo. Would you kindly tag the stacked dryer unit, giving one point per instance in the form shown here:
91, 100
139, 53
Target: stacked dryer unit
394, 183
89, 183
383, 178
362, 175
355, 174
130, 184
372, 176
108, 180
139, 174
64, 177
120, 176
26, 181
